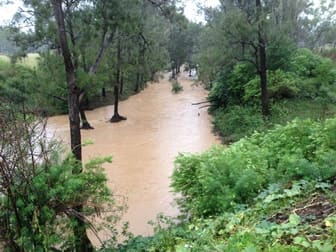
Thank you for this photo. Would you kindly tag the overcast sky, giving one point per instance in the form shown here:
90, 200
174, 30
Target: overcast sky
191, 8
8, 11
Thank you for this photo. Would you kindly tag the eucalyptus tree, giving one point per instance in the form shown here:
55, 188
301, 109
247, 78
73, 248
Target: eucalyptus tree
90, 27
63, 36
178, 43
248, 31
82, 241
138, 52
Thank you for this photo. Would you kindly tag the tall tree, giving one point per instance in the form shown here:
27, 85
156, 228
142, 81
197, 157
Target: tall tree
262, 69
259, 33
116, 117
82, 241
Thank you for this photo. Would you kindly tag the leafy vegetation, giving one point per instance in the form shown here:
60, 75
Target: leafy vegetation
219, 179
278, 221
273, 189
309, 80
176, 87
43, 196
269, 192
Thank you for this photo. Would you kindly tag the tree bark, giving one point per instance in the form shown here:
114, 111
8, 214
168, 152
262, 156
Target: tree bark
85, 123
138, 75
103, 92
82, 241
137, 84
262, 62
173, 71
93, 69
121, 83
116, 117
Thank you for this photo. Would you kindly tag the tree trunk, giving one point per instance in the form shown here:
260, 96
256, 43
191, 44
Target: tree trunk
121, 83
82, 98
85, 122
116, 117
137, 84
105, 42
142, 82
173, 72
82, 241
103, 92
262, 62
83, 104
263, 79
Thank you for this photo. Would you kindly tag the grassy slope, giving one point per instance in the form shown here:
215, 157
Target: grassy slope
298, 218
291, 216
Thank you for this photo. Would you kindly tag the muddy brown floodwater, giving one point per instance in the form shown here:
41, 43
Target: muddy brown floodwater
159, 125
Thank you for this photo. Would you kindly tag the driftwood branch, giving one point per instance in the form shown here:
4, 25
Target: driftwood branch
198, 103
205, 106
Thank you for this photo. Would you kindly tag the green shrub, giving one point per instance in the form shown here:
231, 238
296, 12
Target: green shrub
43, 197
302, 74
228, 89
318, 74
220, 178
176, 87
280, 85
237, 122
279, 52
269, 224
329, 53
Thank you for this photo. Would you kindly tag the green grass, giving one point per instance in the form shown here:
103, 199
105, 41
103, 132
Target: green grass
31, 60
287, 110
4, 59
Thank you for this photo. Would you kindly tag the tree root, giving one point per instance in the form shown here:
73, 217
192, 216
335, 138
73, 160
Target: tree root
117, 118
86, 126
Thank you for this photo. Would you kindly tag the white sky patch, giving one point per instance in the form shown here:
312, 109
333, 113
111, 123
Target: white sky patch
191, 10
7, 11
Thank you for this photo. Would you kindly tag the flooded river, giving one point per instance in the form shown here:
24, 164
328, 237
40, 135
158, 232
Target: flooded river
159, 125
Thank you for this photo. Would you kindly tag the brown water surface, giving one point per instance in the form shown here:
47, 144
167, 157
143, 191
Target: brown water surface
159, 126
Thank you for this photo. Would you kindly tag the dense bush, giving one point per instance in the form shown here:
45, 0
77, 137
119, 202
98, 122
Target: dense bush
17, 84
229, 87
329, 53
176, 87
280, 85
220, 178
43, 198
305, 75
269, 224
317, 74
236, 122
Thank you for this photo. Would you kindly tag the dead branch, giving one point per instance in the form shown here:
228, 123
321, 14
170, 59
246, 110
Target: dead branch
198, 103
